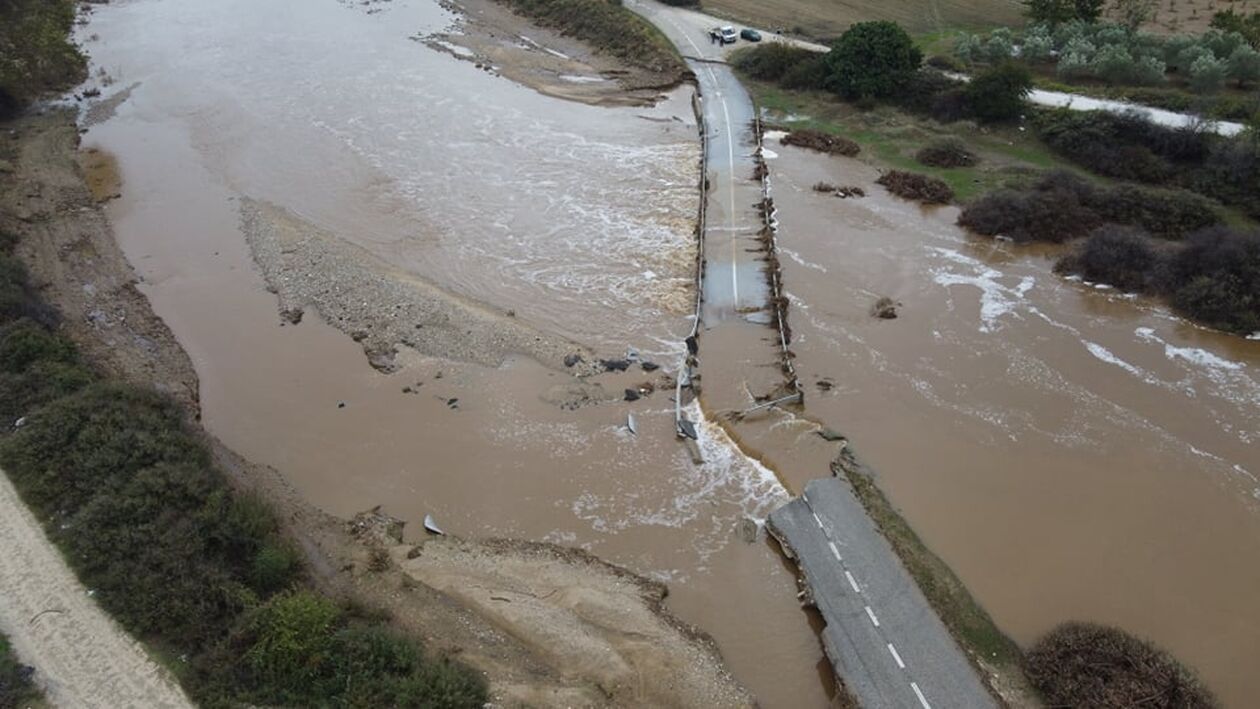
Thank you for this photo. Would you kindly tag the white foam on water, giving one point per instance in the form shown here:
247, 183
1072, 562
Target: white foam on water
996, 298
768, 154
1109, 357
774, 135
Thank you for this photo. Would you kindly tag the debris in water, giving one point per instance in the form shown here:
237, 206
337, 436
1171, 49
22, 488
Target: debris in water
453, 403
632, 394
431, 526
649, 366
830, 434
614, 365
632, 355
885, 308
631, 424
341, 404
687, 429
748, 529
693, 347
572, 359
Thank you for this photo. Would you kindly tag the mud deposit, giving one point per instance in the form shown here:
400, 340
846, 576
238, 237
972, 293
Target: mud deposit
387, 185
1071, 452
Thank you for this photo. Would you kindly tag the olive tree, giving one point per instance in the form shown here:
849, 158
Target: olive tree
1207, 74
1244, 65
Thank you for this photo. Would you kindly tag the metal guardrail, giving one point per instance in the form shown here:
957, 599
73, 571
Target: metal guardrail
684, 369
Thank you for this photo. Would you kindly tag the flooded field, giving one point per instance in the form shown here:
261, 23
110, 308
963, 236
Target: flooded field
575, 218
1073, 453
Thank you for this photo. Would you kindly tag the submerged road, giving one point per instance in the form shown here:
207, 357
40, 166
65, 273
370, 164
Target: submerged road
734, 285
882, 637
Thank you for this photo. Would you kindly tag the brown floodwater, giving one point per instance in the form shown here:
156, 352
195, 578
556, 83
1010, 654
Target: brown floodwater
1072, 452
577, 218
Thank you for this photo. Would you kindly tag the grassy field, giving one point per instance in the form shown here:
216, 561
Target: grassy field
823, 19
890, 138
1191, 16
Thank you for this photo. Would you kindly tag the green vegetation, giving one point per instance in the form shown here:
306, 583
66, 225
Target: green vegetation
128, 492
1130, 147
1000, 93
36, 55
609, 28
872, 60
16, 687
1088, 665
1246, 25
1117, 55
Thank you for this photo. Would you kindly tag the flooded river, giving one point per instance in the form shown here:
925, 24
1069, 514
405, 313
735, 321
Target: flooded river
1073, 453
1070, 452
577, 218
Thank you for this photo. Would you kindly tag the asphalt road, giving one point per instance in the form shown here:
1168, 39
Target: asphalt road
734, 285
883, 638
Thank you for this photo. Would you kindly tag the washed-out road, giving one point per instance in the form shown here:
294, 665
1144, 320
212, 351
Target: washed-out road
882, 637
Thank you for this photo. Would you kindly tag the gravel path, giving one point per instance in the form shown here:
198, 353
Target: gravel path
82, 658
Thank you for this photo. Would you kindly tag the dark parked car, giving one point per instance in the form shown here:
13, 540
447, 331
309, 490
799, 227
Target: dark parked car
750, 34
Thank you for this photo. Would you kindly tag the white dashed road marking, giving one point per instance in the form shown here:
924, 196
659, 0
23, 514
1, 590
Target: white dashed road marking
852, 581
896, 657
834, 550
922, 699
871, 614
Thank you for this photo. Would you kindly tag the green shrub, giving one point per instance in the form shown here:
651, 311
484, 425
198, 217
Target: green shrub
274, 568
36, 55
999, 94
1087, 665
1215, 279
1124, 257
872, 59
291, 644
16, 686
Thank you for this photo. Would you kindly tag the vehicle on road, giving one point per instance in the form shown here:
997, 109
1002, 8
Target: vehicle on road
750, 34
723, 35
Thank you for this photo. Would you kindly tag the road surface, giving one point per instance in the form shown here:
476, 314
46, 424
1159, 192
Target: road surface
883, 638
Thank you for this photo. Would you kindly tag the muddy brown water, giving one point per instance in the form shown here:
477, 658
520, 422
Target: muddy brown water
577, 218
1071, 452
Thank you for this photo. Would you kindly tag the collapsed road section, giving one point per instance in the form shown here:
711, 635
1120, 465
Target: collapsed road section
882, 636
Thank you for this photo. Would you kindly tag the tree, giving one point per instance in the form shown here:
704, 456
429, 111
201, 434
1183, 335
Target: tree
1246, 25
1244, 65
872, 59
1207, 74
999, 93
1134, 13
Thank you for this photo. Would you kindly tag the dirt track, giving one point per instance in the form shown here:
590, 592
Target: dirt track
82, 658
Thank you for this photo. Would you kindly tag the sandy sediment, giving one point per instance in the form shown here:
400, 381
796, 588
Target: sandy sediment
383, 307
593, 621
491, 36
82, 658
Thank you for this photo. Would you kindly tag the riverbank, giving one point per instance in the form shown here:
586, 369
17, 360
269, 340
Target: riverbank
573, 63
68, 243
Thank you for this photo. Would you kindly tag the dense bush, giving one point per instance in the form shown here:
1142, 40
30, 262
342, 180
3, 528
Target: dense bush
1247, 26
306, 651
1122, 256
998, 94
129, 494
1086, 665
770, 61
1061, 207
1127, 146
872, 60
1215, 279
920, 188
949, 152
16, 687
36, 54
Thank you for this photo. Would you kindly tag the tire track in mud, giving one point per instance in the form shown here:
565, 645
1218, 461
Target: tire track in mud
82, 658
